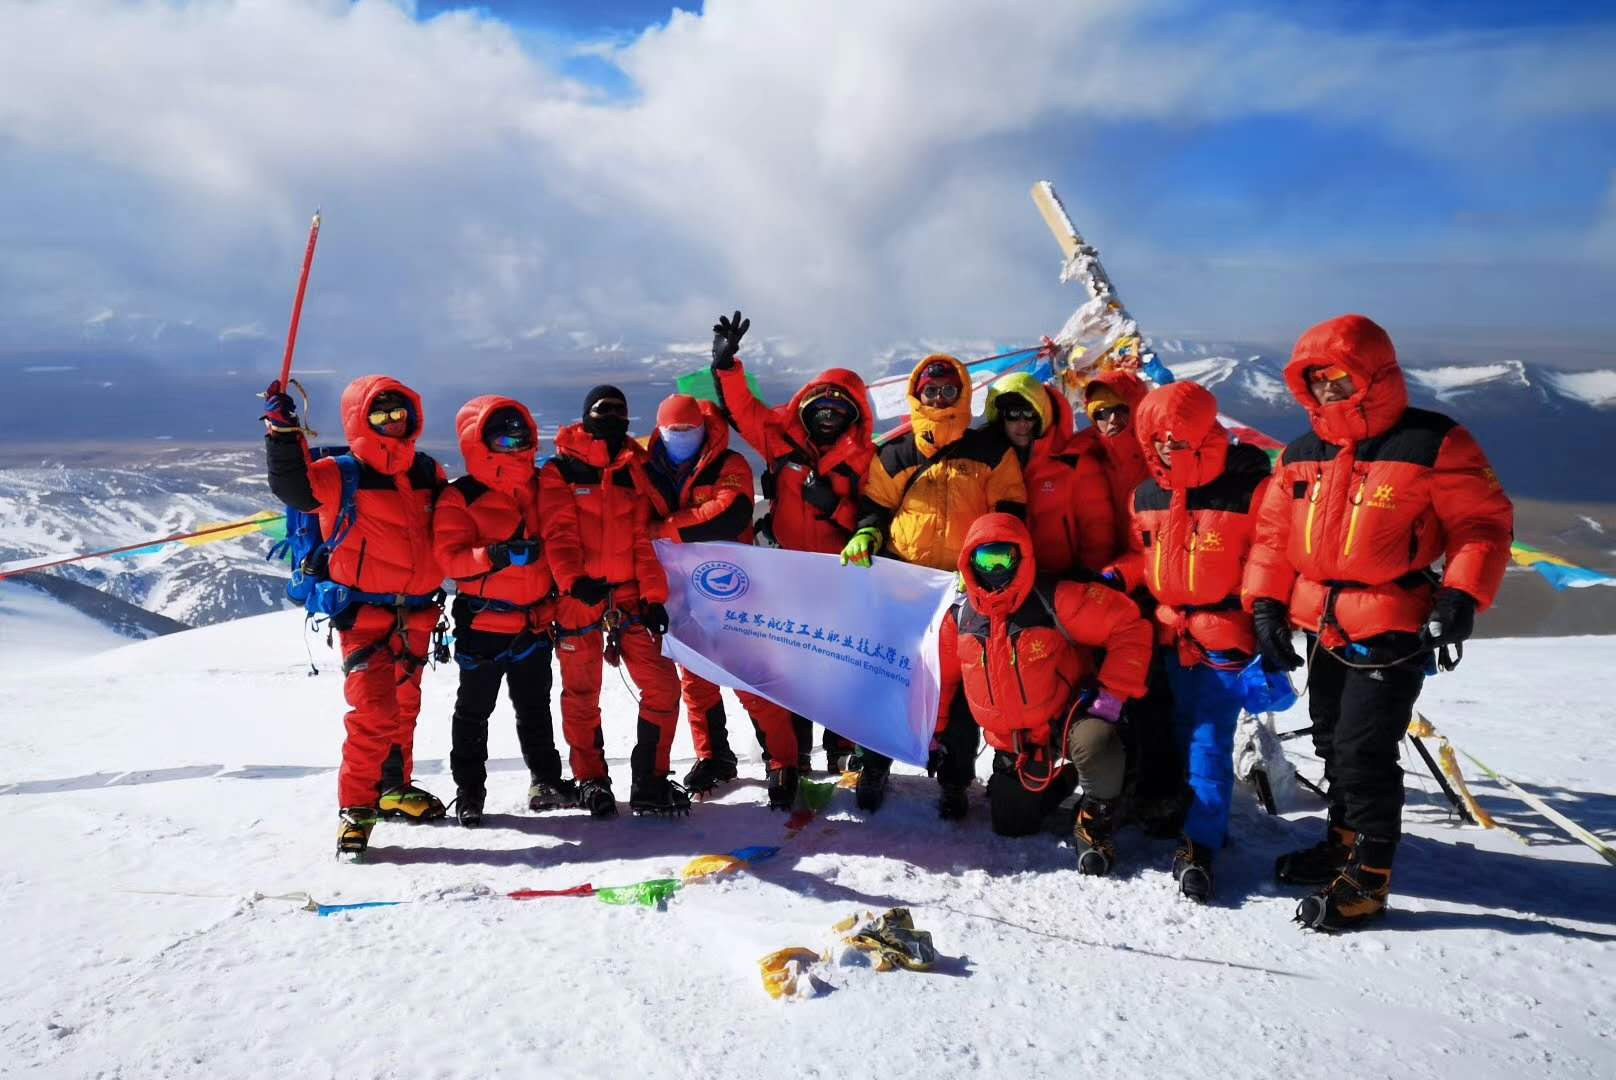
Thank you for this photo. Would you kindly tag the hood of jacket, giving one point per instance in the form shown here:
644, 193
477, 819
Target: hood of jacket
936, 428
993, 529
389, 456
1380, 395
1054, 413
1182, 411
502, 472
859, 433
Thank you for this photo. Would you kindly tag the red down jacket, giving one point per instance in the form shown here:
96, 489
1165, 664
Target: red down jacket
1121, 455
612, 524
791, 458
1366, 502
711, 501
496, 501
1192, 525
1023, 653
389, 548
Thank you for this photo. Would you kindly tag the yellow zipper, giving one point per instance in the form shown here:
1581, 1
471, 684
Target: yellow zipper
1160, 543
1194, 538
1352, 522
1312, 508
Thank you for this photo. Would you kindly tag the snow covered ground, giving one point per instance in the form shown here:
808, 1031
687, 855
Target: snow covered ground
153, 790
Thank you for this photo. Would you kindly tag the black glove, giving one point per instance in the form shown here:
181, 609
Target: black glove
934, 757
280, 411
1452, 619
818, 493
655, 618
727, 334
590, 590
512, 553
1273, 624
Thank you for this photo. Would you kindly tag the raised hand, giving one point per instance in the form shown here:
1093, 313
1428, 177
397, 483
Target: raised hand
727, 334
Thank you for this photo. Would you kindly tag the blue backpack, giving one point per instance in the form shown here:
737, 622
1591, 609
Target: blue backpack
309, 550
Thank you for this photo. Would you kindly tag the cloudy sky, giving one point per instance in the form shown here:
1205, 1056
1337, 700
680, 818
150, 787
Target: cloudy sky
851, 172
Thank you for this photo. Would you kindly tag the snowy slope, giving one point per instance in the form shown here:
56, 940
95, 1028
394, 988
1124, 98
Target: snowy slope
156, 788
38, 632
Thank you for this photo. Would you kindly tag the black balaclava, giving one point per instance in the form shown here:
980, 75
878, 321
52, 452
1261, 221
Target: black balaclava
827, 417
611, 430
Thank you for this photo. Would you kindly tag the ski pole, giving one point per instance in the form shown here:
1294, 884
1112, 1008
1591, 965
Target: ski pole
297, 304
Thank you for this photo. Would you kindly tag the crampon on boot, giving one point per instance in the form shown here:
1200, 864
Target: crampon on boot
353, 830
1091, 836
545, 795
953, 802
1356, 896
1319, 864
705, 775
783, 788
659, 797
411, 802
1192, 869
596, 797
468, 805
872, 783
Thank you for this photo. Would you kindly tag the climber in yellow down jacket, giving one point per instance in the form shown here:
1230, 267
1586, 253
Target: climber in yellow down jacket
924, 492
927, 488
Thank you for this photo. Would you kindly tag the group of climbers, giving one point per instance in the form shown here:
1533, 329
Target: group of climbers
1117, 586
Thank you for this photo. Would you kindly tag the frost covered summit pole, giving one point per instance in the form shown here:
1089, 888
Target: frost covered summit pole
297, 304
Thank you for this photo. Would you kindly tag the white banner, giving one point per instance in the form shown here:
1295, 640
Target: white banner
849, 648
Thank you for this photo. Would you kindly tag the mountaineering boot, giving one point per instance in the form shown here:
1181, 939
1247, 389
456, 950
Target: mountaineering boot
783, 788
805, 762
545, 795
708, 773
1319, 864
1091, 836
952, 803
469, 807
411, 802
353, 830
1192, 869
872, 783
1356, 896
659, 796
596, 797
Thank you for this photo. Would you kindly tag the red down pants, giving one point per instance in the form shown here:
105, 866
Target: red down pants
383, 691
655, 676
705, 707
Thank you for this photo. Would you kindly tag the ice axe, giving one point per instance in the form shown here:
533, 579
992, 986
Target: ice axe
285, 382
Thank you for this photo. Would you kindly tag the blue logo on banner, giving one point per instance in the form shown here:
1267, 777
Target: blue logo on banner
720, 580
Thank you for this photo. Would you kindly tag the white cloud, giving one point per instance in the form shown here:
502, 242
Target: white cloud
848, 171
252, 331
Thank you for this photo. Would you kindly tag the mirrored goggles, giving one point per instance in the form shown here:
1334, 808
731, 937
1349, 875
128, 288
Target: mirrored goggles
378, 417
996, 557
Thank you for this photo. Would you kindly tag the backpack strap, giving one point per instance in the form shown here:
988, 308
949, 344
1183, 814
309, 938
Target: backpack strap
1045, 595
348, 507
920, 470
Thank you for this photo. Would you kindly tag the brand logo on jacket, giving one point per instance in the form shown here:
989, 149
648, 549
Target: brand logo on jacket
1211, 540
720, 580
1384, 498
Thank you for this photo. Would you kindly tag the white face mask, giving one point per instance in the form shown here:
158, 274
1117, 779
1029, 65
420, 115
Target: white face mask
681, 444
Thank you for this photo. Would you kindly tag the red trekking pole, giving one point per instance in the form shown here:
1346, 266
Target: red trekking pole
297, 304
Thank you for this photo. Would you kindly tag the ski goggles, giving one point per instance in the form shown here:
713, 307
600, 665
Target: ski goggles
1019, 414
1321, 376
378, 417
1105, 412
831, 401
609, 407
510, 443
938, 393
995, 558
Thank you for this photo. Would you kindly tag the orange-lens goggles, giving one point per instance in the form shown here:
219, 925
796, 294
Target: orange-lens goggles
1334, 373
379, 417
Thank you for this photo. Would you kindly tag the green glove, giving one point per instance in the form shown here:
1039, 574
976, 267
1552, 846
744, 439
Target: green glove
865, 543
